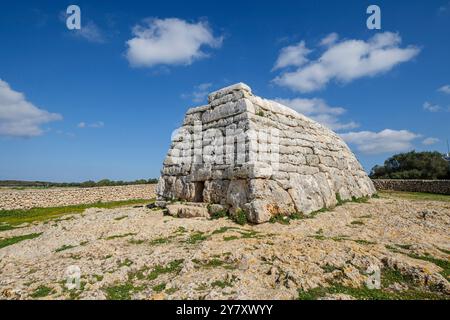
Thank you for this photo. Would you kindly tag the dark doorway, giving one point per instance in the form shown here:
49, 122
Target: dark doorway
199, 186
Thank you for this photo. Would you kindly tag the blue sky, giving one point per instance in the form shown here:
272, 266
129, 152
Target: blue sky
103, 101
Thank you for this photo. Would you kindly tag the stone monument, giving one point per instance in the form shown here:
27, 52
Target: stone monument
242, 153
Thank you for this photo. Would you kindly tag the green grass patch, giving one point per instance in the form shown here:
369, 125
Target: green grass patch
98, 277
215, 263
160, 287
159, 241
392, 248
404, 246
221, 284
444, 251
64, 247
13, 240
41, 292
17, 217
125, 263
219, 214
135, 241
120, 292
224, 229
230, 238
365, 242
196, 237
172, 290
240, 217
415, 196
329, 268
173, 267
341, 201
388, 277
280, 219
117, 236
247, 234
6, 227
444, 264
181, 230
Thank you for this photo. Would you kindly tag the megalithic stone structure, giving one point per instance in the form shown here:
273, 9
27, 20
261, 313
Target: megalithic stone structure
254, 155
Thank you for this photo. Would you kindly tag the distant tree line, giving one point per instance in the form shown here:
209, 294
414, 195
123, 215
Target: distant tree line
85, 184
413, 165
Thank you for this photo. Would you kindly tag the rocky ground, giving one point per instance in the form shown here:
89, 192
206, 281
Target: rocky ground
138, 253
55, 197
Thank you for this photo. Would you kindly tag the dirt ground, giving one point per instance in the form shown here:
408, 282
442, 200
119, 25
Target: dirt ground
138, 253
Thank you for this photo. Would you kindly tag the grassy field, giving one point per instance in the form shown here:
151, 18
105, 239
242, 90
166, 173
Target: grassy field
11, 218
414, 196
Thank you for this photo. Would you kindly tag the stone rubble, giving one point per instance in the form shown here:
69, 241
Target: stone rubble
227, 161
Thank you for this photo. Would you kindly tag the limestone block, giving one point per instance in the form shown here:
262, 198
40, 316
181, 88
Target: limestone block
237, 193
187, 211
215, 190
227, 90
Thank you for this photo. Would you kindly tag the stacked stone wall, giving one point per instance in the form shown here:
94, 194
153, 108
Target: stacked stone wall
427, 186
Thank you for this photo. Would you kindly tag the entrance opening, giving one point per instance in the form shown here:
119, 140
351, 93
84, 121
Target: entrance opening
199, 186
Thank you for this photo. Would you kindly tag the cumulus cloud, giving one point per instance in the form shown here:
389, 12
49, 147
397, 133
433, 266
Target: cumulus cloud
347, 60
19, 117
318, 110
292, 56
90, 32
429, 141
388, 140
199, 94
431, 107
169, 41
445, 89
329, 39
95, 125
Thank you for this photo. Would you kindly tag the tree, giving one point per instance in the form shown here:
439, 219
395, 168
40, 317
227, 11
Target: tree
413, 165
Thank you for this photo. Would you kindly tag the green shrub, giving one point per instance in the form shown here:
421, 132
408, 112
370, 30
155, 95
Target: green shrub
240, 217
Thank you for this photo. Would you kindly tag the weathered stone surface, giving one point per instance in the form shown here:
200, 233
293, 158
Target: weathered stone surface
259, 156
271, 261
187, 210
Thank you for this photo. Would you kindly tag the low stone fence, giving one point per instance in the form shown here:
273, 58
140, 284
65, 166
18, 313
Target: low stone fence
56, 197
428, 186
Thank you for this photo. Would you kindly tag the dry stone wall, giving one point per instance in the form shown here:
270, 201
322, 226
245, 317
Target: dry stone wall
256, 155
428, 186
57, 197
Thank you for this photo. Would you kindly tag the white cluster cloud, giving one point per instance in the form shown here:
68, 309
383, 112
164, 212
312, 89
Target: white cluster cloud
90, 32
329, 39
19, 117
199, 94
445, 89
317, 109
387, 140
95, 125
428, 106
429, 141
169, 41
292, 56
345, 61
